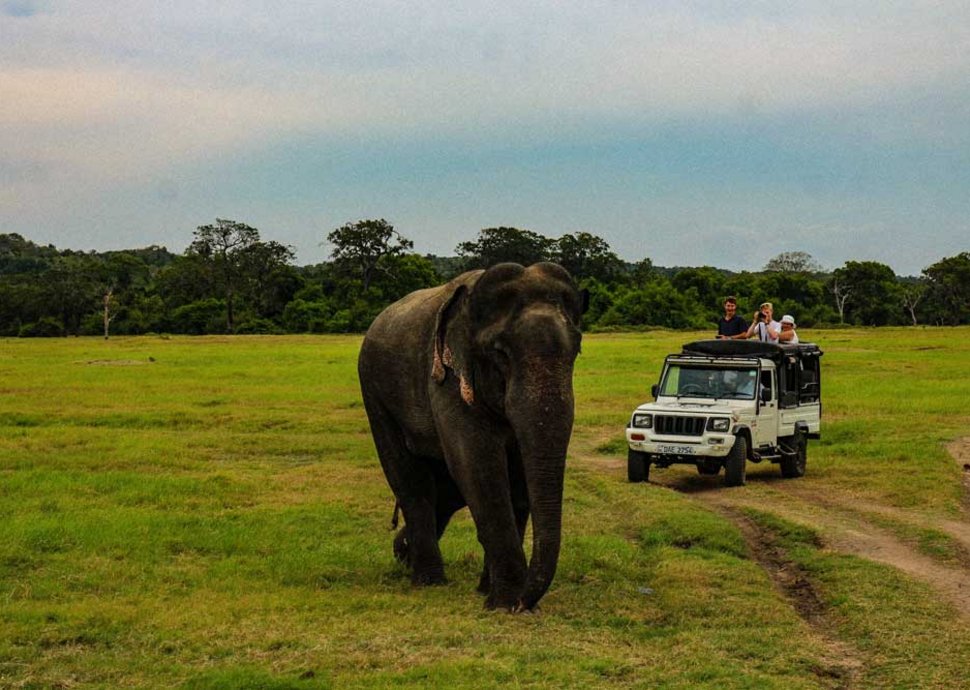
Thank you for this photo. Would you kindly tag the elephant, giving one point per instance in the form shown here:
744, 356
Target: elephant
468, 390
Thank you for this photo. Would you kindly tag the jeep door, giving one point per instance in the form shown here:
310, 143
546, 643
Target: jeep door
766, 433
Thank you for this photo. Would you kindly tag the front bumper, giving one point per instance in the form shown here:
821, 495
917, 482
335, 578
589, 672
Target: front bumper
711, 444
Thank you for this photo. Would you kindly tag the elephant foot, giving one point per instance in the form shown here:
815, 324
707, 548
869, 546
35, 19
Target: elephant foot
504, 601
429, 577
401, 546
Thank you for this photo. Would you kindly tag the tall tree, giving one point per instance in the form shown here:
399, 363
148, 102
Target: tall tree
841, 291
875, 295
794, 262
910, 295
72, 289
269, 281
361, 247
586, 256
222, 248
948, 289
706, 282
498, 245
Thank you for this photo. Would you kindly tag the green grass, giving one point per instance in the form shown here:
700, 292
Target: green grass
210, 513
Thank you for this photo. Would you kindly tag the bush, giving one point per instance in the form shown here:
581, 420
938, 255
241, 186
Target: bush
45, 327
258, 326
200, 317
301, 316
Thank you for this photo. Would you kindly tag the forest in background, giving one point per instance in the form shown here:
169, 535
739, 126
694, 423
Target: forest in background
230, 280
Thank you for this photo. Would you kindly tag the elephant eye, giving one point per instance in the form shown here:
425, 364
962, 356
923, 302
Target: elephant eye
499, 348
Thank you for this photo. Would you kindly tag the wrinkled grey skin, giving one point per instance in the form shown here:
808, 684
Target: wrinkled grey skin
468, 389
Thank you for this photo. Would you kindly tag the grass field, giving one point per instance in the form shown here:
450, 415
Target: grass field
210, 513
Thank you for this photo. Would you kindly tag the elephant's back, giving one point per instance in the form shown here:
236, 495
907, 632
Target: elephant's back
394, 361
411, 320
406, 322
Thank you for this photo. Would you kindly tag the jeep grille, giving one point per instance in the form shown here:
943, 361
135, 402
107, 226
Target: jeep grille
679, 426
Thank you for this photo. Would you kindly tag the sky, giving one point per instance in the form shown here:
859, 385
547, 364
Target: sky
692, 133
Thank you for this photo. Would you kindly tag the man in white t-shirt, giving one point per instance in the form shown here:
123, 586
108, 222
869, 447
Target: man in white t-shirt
763, 326
788, 334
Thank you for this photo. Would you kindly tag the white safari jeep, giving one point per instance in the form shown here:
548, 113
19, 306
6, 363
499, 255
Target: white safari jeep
721, 403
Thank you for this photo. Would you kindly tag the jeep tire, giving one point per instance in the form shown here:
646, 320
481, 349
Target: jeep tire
735, 465
793, 464
637, 466
709, 469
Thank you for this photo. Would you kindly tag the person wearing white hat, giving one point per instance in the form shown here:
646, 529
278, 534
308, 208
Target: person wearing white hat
788, 334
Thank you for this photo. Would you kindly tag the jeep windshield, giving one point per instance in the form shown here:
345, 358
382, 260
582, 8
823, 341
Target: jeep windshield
734, 383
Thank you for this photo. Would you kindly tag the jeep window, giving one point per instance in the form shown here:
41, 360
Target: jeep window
788, 376
766, 384
808, 382
709, 382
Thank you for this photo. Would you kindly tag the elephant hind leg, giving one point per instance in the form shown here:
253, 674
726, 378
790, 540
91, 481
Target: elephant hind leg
449, 501
413, 484
421, 543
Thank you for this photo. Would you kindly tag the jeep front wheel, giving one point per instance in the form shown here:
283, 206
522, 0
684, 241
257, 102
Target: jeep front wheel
735, 465
793, 463
637, 467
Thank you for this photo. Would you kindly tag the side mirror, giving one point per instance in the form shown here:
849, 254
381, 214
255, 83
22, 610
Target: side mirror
654, 389
765, 395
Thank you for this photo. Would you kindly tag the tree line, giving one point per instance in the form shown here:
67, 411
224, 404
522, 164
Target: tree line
230, 280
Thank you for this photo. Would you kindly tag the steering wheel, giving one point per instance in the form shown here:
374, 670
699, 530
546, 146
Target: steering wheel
692, 388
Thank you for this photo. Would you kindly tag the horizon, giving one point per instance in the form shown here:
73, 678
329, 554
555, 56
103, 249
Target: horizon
296, 261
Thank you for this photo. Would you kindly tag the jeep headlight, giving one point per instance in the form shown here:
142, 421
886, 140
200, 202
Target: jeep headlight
719, 424
643, 421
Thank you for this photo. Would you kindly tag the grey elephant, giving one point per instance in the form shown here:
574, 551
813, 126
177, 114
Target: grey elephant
468, 389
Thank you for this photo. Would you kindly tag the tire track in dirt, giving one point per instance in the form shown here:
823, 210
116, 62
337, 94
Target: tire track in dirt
841, 663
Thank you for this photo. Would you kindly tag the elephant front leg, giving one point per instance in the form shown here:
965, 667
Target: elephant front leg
482, 474
506, 570
520, 508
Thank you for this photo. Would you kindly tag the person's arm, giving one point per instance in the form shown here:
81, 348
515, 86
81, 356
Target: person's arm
754, 324
773, 333
743, 335
785, 336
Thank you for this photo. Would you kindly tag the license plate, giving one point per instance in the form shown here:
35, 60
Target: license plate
675, 450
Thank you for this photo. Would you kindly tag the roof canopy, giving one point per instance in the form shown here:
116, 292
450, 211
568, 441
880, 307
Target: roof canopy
750, 348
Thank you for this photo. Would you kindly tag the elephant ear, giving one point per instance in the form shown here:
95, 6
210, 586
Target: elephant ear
443, 353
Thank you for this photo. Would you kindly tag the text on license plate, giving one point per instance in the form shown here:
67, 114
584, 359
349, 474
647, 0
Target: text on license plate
675, 450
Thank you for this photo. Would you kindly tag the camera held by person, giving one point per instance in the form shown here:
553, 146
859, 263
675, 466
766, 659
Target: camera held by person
763, 326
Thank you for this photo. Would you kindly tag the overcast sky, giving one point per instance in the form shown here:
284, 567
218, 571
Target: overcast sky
689, 132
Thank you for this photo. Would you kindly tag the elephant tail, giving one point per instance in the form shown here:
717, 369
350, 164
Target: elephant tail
397, 514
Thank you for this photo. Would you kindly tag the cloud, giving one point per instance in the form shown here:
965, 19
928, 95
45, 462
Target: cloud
18, 8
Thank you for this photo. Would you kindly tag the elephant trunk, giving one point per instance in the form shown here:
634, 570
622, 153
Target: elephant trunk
543, 423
